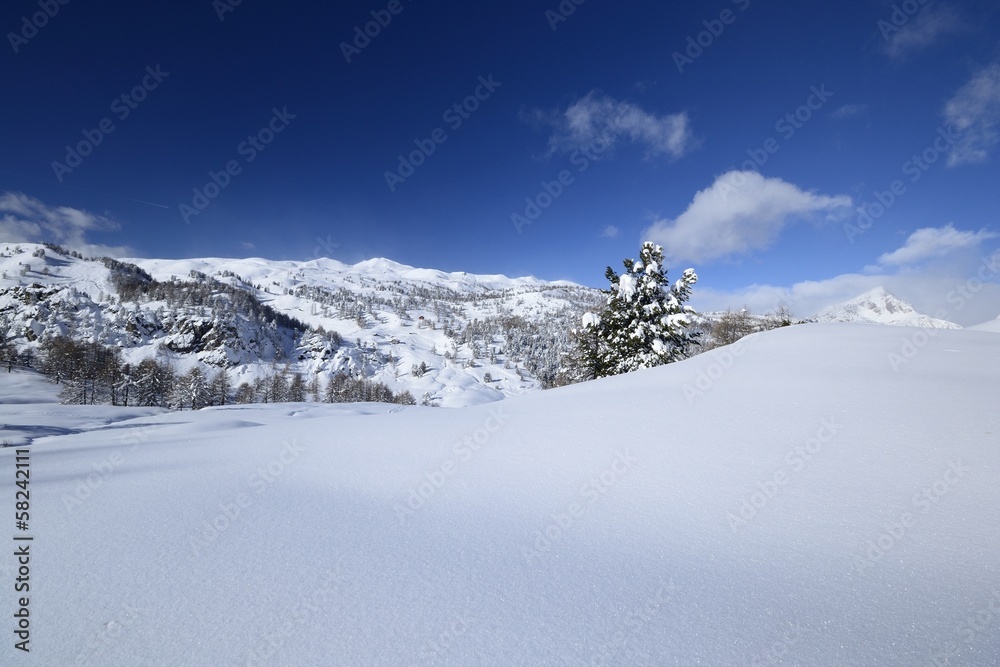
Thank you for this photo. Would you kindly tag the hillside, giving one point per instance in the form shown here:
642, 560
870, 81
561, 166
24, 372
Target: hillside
799, 502
449, 339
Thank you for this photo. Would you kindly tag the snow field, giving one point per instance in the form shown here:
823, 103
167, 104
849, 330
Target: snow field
591, 524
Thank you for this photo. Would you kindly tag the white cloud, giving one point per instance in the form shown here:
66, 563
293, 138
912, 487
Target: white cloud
962, 287
974, 111
849, 111
804, 299
958, 296
598, 122
27, 220
932, 242
741, 211
932, 24
610, 232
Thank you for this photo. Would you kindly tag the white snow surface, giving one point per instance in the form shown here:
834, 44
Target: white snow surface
992, 325
879, 306
588, 525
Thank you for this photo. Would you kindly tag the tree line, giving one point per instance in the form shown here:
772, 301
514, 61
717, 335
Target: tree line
94, 374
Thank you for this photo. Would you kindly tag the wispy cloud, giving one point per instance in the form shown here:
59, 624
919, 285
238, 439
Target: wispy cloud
975, 112
610, 232
599, 122
928, 27
27, 220
849, 111
933, 242
726, 219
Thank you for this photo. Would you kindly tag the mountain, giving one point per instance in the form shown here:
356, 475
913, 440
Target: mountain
449, 339
879, 306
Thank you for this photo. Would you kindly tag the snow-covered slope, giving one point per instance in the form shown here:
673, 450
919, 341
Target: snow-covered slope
992, 325
481, 338
805, 499
879, 306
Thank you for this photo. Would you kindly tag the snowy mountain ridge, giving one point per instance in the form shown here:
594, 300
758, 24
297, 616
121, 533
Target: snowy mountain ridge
879, 306
453, 338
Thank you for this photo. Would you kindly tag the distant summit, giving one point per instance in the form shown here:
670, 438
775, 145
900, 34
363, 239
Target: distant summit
879, 306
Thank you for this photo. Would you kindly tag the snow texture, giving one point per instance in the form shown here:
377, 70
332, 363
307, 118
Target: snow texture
790, 500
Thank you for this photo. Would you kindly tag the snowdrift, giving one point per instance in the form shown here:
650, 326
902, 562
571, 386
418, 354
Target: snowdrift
819, 494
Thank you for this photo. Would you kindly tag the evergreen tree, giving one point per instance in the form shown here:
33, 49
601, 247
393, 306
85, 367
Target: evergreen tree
154, 383
643, 323
279, 385
219, 388
8, 355
296, 389
192, 390
244, 394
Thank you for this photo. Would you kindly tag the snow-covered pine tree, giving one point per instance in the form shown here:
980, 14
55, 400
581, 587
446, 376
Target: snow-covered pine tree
191, 389
644, 323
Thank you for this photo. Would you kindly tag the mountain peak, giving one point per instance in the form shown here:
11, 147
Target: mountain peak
880, 306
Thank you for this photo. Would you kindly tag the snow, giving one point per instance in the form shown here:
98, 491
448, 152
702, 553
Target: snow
29, 410
879, 306
592, 524
412, 330
992, 325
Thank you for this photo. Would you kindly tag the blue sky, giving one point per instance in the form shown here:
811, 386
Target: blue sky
747, 137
